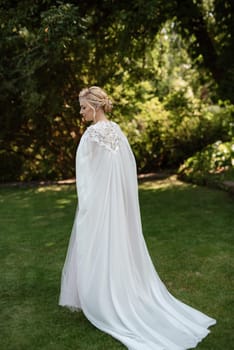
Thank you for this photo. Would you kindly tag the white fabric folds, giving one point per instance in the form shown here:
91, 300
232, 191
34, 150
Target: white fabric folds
108, 272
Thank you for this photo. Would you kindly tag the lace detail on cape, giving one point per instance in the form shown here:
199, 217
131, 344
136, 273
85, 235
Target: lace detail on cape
105, 133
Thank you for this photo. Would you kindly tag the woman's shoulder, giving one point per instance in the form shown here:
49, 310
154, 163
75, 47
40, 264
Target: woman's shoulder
105, 133
102, 124
102, 127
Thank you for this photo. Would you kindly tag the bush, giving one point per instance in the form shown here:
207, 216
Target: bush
145, 135
165, 134
209, 166
11, 166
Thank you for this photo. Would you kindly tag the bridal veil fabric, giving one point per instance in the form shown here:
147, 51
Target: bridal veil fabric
108, 272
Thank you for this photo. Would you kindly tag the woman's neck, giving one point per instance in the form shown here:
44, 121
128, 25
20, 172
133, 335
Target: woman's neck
100, 116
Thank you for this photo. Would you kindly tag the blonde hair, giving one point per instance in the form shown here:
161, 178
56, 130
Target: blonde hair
97, 97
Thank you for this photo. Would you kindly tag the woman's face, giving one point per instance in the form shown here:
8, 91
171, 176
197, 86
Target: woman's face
85, 110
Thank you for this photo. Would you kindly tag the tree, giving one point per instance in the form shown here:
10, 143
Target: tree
51, 49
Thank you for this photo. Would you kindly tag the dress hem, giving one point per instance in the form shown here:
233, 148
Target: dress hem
71, 308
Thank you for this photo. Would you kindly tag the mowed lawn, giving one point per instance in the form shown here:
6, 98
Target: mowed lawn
189, 232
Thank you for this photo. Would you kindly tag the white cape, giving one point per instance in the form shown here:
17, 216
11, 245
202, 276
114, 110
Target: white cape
108, 272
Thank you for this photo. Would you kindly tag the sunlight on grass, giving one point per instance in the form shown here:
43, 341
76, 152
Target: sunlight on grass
171, 181
189, 231
56, 188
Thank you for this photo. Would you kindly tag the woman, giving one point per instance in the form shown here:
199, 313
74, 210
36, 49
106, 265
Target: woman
108, 272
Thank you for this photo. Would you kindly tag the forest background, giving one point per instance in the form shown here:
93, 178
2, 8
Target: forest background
167, 64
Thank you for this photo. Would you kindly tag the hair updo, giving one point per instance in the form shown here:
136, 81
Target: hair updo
97, 97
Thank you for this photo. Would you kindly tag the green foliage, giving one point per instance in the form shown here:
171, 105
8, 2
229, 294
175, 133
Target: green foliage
39, 92
210, 165
165, 133
144, 133
52, 49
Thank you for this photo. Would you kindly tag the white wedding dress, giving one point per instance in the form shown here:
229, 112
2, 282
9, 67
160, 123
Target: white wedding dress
108, 272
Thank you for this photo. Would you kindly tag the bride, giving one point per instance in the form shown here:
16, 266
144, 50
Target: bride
108, 272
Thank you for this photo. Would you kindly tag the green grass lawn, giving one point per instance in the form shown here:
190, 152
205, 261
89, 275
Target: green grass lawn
189, 232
